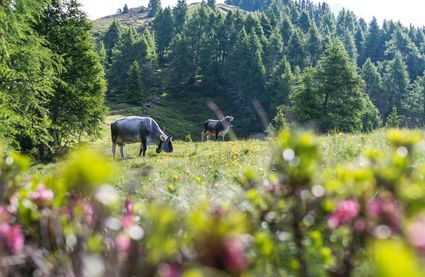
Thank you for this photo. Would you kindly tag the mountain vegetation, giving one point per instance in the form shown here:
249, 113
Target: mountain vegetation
333, 72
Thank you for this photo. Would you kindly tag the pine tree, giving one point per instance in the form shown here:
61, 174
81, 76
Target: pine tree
154, 7
125, 9
336, 100
371, 119
180, 61
350, 46
163, 27
286, 30
112, 37
77, 106
27, 71
374, 43
297, 51
414, 104
249, 80
373, 84
281, 85
304, 22
274, 50
393, 119
314, 44
212, 3
134, 84
396, 85
400, 42
179, 14
360, 39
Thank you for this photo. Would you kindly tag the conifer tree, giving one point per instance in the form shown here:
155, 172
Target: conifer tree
134, 83
281, 85
396, 85
112, 37
297, 50
179, 14
77, 106
27, 71
274, 50
337, 100
163, 27
154, 7
400, 42
373, 81
181, 62
374, 43
314, 44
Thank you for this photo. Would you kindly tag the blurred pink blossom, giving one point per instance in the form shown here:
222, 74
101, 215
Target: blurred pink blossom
233, 255
345, 211
127, 220
41, 195
128, 206
128, 217
416, 233
385, 210
167, 270
88, 211
4, 214
123, 242
11, 236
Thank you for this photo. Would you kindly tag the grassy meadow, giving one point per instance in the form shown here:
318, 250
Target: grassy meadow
209, 171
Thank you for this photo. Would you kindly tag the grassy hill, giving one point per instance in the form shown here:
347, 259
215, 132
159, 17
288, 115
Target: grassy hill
138, 19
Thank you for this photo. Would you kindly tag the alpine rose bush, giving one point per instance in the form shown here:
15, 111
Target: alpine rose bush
299, 220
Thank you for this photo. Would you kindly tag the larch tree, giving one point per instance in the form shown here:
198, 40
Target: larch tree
154, 7
77, 106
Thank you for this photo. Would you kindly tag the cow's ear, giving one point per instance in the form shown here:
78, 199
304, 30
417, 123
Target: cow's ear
163, 137
171, 139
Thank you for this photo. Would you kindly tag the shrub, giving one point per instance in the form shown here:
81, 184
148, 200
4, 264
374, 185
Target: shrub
302, 220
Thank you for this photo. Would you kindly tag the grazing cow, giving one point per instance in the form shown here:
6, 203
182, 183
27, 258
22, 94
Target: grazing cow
134, 129
217, 127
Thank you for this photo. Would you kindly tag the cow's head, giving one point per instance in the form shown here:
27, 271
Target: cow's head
229, 120
166, 144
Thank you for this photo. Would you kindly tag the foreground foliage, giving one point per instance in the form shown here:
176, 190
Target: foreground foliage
52, 84
299, 220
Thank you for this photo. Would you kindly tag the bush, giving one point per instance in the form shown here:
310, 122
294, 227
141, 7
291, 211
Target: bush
302, 220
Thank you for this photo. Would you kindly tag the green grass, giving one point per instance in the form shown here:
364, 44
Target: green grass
209, 171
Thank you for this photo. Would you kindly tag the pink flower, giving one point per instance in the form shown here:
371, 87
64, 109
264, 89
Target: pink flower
385, 210
128, 206
41, 195
233, 255
345, 211
12, 237
88, 212
374, 207
416, 233
123, 242
127, 220
167, 270
4, 214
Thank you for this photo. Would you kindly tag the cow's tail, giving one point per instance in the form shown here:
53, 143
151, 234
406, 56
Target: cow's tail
114, 132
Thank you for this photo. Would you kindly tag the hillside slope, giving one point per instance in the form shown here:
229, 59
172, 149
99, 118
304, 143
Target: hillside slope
137, 19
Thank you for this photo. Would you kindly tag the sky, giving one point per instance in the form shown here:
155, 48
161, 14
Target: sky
407, 11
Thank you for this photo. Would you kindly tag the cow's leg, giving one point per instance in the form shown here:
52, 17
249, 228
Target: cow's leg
122, 150
216, 136
114, 148
202, 135
143, 147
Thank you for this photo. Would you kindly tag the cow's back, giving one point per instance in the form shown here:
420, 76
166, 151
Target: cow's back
131, 129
